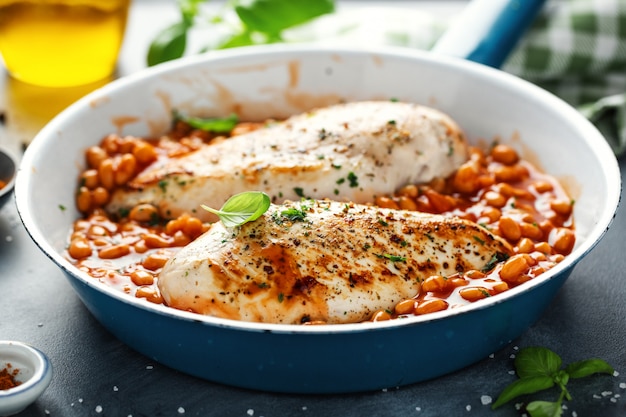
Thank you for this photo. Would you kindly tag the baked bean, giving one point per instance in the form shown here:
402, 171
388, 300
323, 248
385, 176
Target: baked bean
474, 293
511, 174
509, 229
525, 245
100, 196
543, 186
381, 315
531, 230
430, 306
141, 278
435, 283
562, 240
513, 267
144, 213
495, 199
90, 179
543, 247
500, 287
492, 213
155, 241
407, 203
125, 170
155, 261
406, 306
180, 239
410, 191
144, 152
83, 199
106, 173
96, 231
439, 202
149, 294
504, 155
140, 246
465, 180
386, 202
79, 248
193, 227
114, 251
95, 155
562, 207
475, 274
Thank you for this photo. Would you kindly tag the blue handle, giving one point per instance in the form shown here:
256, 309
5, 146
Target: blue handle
488, 30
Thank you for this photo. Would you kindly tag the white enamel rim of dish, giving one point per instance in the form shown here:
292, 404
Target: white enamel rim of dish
37, 374
602, 150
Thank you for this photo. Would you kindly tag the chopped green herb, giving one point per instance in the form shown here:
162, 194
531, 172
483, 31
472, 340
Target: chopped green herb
163, 185
340, 181
495, 259
479, 240
354, 180
281, 297
392, 258
382, 222
62, 207
299, 191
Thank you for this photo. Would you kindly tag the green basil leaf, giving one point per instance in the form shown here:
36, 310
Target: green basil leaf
537, 361
210, 124
544, 409
273, 16
189, 9
242, 208
588, 367
169, 44
522, 386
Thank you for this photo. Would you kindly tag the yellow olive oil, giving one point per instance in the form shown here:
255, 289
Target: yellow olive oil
58, 43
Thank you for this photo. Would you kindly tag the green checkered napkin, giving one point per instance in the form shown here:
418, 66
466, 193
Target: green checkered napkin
575, 49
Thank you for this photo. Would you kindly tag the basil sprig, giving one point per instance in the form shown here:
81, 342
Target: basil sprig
209, 124
242, 208
261, 21
538, 369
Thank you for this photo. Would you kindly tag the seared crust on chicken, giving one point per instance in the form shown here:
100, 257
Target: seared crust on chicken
321, 261
348, 152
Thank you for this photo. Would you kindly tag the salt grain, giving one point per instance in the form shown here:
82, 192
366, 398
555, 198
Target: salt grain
80, 400
615, 374
485, 399
492, 355
596, 396
418, 409
250, 412
115, 388
574, 414
304, 408
181, 410
98, 409
512, 356
622, 385
606, 393
468, 407
613, 400
149, 367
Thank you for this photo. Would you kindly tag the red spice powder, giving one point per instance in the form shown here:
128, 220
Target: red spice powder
7, 377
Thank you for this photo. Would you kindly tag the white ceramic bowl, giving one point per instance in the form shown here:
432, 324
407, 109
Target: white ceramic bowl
277, 81
35, 374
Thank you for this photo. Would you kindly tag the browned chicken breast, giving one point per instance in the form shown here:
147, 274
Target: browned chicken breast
321, 260
348, 152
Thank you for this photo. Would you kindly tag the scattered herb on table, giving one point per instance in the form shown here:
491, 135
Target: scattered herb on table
539, 369
242, 208
260, 22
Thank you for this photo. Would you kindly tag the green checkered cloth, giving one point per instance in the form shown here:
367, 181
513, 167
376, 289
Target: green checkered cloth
576, 49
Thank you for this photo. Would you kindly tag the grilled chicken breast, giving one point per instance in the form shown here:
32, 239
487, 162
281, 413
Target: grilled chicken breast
321, 260
348, 152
